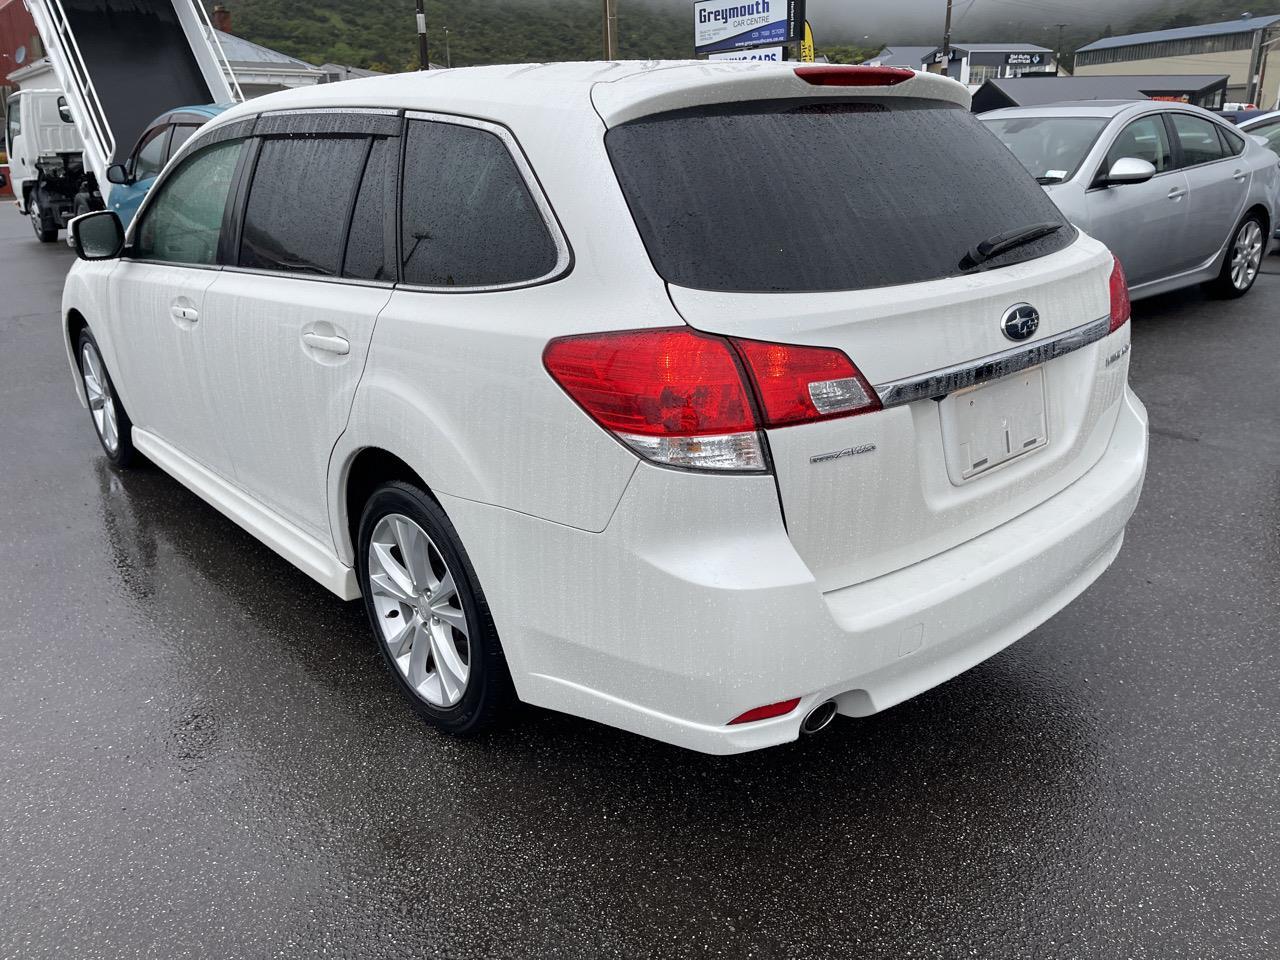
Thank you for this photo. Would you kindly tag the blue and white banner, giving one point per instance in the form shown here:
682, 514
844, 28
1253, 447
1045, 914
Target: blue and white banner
733, 24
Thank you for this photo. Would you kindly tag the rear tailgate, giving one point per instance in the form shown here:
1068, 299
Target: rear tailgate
859, 223
869, 494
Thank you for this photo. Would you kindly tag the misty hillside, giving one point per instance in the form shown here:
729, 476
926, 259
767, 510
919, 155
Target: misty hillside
380, 33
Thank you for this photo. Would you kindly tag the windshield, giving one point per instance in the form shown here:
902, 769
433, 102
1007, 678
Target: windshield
1051, 148
809, 195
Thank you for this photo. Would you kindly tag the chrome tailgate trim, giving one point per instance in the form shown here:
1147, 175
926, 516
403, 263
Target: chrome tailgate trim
939, 383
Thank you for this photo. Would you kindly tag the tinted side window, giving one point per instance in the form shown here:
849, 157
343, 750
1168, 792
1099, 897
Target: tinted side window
183, 221
1144, 139
181, 134
469, 219
14, 129
1232, 142
296, 216
370, 250
150, 157
1199, 139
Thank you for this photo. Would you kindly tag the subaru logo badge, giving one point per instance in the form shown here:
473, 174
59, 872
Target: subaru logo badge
1020, 322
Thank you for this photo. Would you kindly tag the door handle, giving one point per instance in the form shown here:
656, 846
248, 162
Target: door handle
1177, 193
318, 341
186, 314
1238, 176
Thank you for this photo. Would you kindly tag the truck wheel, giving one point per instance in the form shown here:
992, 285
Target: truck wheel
41, 222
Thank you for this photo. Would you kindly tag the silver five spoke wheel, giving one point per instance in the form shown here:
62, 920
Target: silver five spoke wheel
419, 611
1246, 258
102, 404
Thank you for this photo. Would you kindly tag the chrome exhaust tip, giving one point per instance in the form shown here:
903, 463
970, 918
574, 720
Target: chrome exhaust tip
819, 717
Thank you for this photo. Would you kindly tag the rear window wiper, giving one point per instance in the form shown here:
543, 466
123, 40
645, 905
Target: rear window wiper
1004, 242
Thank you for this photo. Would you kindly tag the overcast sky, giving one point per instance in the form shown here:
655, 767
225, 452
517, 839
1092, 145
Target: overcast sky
887, 20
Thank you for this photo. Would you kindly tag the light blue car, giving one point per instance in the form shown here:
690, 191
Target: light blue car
132, 179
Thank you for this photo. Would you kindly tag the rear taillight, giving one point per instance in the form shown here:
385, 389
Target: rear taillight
672, 395
1120, 306
681, 398
845, 76
801, 384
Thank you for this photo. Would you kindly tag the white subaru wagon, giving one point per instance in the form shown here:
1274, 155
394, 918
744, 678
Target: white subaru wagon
703, 400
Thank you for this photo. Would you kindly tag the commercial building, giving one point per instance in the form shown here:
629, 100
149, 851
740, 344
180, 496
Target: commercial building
1247, 50
972, 63
1203, 91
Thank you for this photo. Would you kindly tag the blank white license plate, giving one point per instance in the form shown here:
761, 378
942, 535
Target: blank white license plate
993, 423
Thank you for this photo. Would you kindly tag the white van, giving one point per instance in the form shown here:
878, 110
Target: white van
703, 400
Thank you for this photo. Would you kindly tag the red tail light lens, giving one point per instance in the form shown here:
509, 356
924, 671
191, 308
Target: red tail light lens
1120, 305
673, 395
681, 398
767, 712
803, 384
829, 76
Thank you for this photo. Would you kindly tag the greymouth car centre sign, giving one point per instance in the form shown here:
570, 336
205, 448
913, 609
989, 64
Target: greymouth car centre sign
734, 24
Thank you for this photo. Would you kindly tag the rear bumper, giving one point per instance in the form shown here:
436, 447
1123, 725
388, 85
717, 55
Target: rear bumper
685, 612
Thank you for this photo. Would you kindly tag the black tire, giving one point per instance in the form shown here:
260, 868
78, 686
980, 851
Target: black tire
123, 455
1226, 285
42, 224
489, 696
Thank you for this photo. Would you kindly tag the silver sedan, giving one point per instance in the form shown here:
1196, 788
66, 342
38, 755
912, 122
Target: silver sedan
1180, 196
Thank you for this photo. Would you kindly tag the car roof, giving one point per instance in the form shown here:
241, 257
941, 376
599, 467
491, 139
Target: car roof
1259, 118
615, 90
1105, 109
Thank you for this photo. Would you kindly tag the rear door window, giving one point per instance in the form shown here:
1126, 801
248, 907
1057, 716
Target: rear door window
469, 219
809, 195
1198, 139
371, 243
181, 134
296, 216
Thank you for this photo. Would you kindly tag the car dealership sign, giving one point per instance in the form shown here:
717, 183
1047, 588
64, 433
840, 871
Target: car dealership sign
735, 24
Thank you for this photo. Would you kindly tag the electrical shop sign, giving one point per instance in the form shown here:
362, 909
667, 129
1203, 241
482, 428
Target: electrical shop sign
734, 24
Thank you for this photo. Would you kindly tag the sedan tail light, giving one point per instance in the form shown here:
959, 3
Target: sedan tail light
688, 399
1120, 305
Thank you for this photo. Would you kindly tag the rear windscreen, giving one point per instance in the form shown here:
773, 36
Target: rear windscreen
786, 195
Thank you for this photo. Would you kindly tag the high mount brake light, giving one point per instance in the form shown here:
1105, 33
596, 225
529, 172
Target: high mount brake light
838, 76
1121, 308
688, 399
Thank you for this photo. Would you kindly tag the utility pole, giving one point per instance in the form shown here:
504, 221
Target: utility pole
423, 60
946, 41
611, 29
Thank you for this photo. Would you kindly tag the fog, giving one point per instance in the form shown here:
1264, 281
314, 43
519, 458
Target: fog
905, 21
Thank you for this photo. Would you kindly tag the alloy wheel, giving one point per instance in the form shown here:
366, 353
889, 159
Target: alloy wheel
1246, 258
419, 611
102, 404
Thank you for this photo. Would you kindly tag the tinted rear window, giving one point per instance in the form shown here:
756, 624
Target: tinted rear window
823, 195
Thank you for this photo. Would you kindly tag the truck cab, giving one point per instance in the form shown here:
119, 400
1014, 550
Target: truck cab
45, 158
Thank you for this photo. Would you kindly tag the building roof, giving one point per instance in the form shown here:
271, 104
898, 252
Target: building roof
240, 50
1039, 91
999, 48
903, 56
1242, 25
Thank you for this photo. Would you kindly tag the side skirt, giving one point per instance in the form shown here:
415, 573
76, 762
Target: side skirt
302, 550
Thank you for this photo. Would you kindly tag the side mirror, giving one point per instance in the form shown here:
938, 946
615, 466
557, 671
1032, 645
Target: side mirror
118, 173
1130, 170
97, 236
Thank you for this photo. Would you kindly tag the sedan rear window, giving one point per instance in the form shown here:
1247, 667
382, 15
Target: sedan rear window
1051, 148
811, 195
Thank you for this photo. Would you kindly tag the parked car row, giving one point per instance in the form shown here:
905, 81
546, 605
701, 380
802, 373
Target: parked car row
649, 393
1178, 194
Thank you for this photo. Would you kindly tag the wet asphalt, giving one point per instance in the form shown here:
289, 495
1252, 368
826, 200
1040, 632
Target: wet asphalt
201, 754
